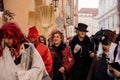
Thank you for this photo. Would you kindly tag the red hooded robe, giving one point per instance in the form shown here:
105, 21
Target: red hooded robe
42, 49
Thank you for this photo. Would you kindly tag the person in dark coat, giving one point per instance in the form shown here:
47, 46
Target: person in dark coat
99, 66
82, 52
62, 57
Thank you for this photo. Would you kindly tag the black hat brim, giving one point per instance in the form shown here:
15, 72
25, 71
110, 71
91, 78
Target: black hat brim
81, 29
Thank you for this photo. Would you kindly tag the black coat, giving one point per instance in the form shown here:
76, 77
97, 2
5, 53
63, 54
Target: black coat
98, 70
58, 57
82, 58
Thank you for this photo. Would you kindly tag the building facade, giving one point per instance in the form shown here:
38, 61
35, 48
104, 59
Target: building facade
108, 15
89, 17
72, 18
43, 14
68, 10
30, 13
21, 10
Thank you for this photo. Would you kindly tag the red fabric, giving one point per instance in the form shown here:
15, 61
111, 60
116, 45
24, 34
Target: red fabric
46, 56
33, 32
68, 59
12, 29
42, 49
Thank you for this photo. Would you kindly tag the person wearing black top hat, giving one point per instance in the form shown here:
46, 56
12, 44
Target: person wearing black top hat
82, 51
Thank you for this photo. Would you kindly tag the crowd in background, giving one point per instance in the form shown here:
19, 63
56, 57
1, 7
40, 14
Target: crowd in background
31, 57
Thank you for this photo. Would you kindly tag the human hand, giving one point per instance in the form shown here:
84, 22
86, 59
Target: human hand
92, 54
62, 69
116, 72
110, 68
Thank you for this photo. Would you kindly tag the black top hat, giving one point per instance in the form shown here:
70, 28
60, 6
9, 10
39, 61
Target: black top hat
105, 40
82, 27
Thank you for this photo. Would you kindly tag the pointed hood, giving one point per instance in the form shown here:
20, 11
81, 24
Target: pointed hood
33, 33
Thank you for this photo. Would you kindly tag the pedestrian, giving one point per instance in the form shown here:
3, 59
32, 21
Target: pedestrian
44, 51
62, 56
99, 66
82, 52
42, 39
114, 66
19, 60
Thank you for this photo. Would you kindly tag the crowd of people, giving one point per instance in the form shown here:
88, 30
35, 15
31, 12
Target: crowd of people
30, 58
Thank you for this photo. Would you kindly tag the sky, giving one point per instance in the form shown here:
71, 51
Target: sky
88, 4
